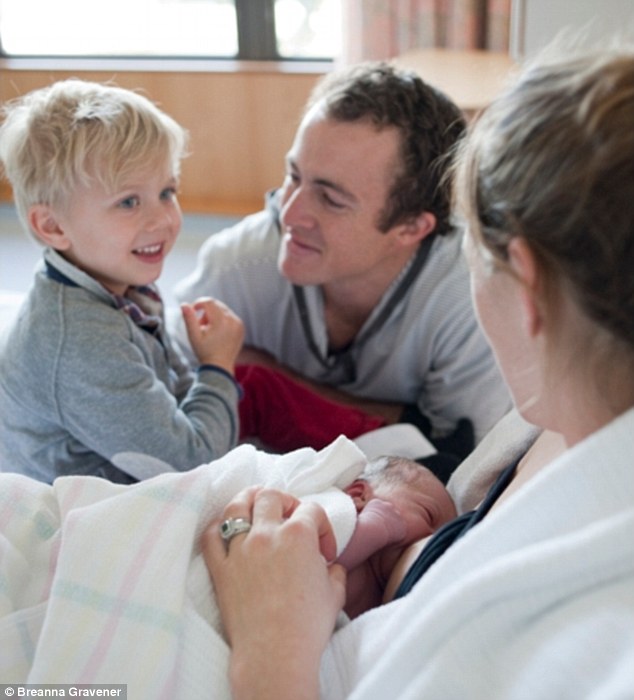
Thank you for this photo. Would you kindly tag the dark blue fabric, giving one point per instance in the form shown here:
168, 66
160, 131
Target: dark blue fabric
443, 538
54, 274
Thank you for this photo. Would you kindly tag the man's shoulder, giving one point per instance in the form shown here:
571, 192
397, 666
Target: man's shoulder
438, 302
238, 265
444, 272
256, 234
446, 251
249, 247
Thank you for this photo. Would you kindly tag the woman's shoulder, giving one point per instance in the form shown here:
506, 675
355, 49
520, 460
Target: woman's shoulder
509, 439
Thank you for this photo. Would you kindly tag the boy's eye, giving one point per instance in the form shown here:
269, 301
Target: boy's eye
129, 202
168, 193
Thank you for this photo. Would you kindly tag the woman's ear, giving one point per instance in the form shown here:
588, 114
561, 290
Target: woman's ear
44, 224
524, 264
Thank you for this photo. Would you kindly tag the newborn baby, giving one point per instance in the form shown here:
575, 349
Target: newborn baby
398, 502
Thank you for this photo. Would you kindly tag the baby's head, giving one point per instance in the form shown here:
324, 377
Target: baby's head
73, 133
419, 496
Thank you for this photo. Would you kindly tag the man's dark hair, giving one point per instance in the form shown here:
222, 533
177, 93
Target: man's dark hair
429, 123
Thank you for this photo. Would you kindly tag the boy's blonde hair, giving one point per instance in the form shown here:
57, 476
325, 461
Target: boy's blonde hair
74, 132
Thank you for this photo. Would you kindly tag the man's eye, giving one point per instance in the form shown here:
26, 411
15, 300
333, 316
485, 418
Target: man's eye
331, 202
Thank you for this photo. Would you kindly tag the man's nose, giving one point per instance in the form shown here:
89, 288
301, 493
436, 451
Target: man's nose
296, 209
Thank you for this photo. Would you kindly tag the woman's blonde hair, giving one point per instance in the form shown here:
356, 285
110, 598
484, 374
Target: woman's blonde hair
56, 138
552, 160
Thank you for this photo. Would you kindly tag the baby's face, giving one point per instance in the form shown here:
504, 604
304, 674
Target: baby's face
424, 504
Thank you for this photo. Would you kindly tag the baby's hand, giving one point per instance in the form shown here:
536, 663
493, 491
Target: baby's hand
391, 518
215, 332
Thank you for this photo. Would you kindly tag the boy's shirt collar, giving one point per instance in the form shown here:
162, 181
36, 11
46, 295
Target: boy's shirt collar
143, 304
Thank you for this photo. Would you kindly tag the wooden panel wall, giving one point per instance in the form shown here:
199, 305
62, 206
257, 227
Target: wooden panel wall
241, 125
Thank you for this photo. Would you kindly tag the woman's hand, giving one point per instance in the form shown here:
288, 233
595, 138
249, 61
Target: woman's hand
278, 596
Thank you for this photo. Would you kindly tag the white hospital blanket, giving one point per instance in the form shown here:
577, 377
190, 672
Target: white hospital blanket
104, 583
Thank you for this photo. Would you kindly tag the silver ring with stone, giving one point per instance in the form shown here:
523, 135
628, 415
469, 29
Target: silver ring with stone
231, 527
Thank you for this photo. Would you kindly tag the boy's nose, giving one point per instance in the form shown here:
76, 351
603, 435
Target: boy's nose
159, 220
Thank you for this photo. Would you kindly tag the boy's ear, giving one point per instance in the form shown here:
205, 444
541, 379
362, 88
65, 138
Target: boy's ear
361, 492
44, 224
414, 231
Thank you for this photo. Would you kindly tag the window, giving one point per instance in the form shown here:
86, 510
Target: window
242, 29
308, 28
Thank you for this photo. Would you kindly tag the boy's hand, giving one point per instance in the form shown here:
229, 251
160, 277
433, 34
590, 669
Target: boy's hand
215, 332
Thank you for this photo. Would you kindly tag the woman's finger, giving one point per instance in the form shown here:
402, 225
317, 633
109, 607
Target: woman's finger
314, 514
213, 545
241, 505
274, 506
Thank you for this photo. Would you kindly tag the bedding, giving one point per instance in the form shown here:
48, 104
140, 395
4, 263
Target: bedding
9, 305
94, 574
103, 583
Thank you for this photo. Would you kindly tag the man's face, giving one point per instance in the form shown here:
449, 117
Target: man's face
338, 176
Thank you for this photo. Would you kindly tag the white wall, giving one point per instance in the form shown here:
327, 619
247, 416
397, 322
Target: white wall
536, 22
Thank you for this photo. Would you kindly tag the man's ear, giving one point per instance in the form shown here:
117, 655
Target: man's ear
524, 264
361, 492
44, 224
412, 232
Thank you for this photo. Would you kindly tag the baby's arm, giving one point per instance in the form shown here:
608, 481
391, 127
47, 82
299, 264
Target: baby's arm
379, 524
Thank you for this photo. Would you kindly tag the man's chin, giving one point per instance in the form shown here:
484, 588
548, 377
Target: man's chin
297, 273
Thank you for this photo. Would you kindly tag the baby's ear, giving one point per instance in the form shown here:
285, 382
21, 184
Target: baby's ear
44, 224
361, 492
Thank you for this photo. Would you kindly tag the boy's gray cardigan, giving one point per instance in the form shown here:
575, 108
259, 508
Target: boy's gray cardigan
81, 382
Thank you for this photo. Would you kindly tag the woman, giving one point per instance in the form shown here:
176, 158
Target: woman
537, 599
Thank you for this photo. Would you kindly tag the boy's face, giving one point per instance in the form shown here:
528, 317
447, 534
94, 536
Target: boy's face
121, 238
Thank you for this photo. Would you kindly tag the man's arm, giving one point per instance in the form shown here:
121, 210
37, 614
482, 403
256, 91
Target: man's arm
391, 412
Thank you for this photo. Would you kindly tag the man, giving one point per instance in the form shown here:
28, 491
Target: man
353, 278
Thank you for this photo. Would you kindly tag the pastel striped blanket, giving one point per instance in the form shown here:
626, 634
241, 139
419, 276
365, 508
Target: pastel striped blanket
103, 583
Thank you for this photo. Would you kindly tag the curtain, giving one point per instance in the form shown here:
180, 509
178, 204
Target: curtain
382, 29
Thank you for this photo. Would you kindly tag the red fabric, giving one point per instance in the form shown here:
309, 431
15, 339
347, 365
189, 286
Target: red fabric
286, 415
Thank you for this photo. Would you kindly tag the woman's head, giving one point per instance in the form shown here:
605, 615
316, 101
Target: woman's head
69, 133
551, 164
